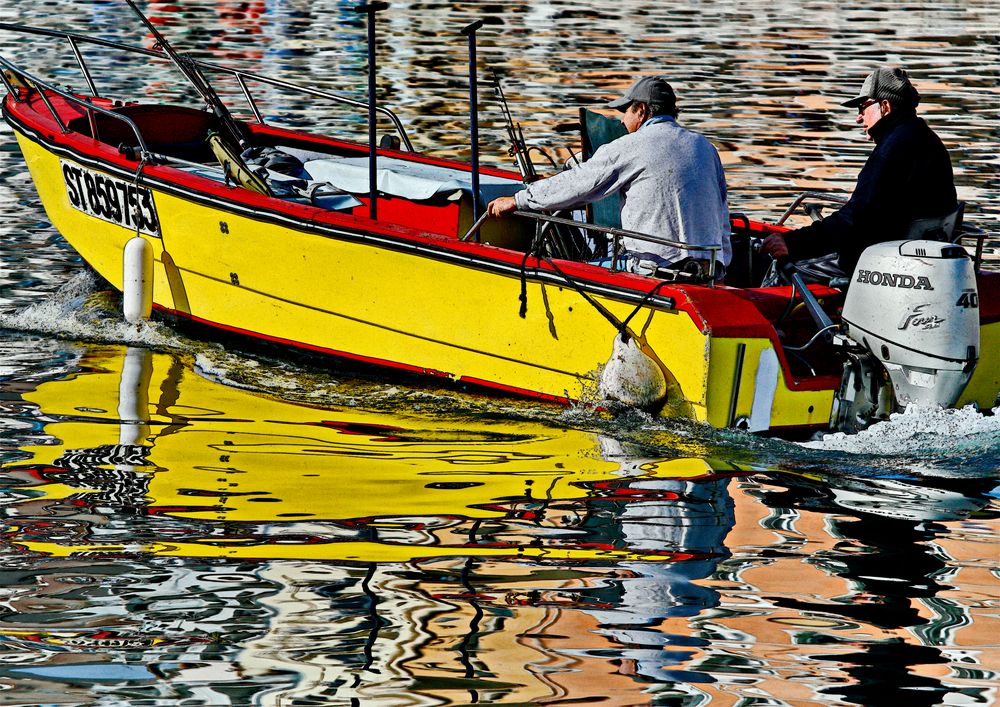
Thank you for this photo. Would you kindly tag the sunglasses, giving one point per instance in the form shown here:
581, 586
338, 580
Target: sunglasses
865, 106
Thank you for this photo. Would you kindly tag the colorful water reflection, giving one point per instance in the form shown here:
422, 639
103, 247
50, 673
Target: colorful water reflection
504, 523
169, 537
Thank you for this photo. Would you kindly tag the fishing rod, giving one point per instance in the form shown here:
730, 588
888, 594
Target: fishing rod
518, 149
191, 72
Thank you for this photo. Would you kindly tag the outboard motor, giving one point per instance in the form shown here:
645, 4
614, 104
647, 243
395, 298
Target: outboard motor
911, 319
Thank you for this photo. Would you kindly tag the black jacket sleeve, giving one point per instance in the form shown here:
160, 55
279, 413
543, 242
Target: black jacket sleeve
907, 176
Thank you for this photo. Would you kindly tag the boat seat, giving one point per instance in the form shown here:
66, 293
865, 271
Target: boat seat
597, 130
941, 228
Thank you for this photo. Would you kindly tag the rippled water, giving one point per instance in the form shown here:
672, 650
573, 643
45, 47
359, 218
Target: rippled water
186, 523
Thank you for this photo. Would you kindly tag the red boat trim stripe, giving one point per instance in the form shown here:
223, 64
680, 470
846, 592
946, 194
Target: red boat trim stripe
562, 400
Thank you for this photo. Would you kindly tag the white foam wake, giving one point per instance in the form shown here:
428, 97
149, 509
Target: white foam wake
918, 430
239, 371
81, 310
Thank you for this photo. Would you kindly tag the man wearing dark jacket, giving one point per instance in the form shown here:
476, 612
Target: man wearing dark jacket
907, 177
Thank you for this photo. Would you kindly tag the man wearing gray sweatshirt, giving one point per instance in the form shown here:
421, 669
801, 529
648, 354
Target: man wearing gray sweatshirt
670, 179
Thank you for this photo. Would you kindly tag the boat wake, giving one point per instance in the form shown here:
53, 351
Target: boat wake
306, 383
919, 443
81, 310
921, 429
85, 310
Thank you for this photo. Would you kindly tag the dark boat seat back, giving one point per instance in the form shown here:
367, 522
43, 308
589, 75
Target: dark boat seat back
596, 130
173, 131
942, 228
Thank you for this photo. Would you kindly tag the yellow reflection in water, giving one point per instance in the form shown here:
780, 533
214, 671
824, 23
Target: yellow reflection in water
248, 467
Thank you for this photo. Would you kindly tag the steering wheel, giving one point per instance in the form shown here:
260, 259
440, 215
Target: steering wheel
781, 272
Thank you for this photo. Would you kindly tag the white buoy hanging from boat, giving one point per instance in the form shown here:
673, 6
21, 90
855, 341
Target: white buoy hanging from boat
631, 377
137, 281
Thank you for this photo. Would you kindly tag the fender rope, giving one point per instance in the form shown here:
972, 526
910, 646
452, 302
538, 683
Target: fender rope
620, 326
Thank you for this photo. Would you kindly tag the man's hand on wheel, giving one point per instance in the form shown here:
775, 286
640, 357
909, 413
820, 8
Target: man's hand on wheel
774, 245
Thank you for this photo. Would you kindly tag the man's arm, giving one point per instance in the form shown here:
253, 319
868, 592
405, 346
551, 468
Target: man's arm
591, 181
867, 216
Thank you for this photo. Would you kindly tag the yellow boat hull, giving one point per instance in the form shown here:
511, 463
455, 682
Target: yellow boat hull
413, 309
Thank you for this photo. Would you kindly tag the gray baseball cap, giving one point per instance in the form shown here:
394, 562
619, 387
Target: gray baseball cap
887, 84
649, 89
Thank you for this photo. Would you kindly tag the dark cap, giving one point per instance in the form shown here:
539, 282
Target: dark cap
887, 84
649, 89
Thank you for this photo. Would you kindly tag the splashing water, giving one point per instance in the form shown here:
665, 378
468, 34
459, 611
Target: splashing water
81, 310
918, 428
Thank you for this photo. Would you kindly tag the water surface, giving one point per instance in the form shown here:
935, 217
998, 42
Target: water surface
192, 523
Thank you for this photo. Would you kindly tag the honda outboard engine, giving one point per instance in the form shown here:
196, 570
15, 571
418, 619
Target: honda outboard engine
911, 319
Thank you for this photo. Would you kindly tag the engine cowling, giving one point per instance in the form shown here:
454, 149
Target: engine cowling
915, 306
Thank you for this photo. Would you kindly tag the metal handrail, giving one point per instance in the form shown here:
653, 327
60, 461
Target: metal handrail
608, 230
240, 76
88, 107
616, 232
836, 198
967, 231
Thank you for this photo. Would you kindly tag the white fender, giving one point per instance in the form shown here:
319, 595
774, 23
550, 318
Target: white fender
137, 280
631, 377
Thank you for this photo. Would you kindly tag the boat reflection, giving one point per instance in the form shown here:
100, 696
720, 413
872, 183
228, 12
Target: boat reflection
289, 481
364, 554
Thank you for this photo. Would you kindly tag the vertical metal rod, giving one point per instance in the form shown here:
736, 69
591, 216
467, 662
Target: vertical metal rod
91, 116
246, 93
372, 129
83, 67
370, 9
470, 32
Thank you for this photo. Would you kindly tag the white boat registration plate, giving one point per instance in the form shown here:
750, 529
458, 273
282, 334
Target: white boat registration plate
111, 199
